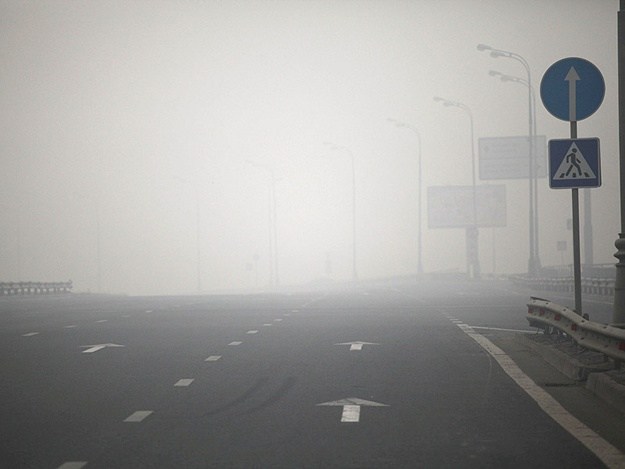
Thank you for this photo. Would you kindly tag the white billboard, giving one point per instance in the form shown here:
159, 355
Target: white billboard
508, 157
452, 206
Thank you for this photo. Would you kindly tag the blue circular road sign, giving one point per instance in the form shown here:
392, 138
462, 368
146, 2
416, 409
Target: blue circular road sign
572, 89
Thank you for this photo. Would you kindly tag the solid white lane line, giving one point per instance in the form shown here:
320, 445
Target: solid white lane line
138, 416
184, 382
252, 332
351, 413
30, 334
524, 331
607, 453
236, 342
213, 358
73, 465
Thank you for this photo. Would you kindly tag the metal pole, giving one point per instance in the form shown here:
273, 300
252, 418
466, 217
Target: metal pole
354, 274
618, 313
197, 242
275, 226
577, 271
419, 210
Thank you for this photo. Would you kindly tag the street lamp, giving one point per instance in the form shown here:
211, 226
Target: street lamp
335, 147
534, 260
419, 176
273, 230
197, 231
472, 233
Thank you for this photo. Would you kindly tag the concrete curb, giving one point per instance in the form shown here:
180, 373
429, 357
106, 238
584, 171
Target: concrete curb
581, 365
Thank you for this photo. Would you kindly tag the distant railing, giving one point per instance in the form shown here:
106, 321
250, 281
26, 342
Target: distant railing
34, 288
592, 286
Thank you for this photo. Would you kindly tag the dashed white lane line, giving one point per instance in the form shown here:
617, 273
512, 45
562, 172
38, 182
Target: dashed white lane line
607, 453
267, 325
252, 332
236, 342
73, 465
138, 416
213, 358
30, 334
295, 310
102, 320
277, 320
184, 382
71, 326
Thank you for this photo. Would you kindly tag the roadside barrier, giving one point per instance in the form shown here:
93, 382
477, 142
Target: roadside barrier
34, 288
603, 338
591, 286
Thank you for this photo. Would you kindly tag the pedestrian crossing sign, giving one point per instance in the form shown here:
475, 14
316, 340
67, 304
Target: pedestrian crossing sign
574, 163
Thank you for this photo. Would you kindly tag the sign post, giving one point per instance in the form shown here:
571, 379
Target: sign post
573, 89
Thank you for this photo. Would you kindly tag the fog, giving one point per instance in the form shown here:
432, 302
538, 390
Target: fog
140, 138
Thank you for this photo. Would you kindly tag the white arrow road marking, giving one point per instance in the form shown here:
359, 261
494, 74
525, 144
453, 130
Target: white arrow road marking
73, 465
95, 348
184, 382
213, 358
30, 334
356, 345
138, 416
351, 407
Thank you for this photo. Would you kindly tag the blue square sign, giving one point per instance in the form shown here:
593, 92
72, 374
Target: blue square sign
574, 163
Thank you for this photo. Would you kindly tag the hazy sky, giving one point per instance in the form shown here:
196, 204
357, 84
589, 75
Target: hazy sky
122, 118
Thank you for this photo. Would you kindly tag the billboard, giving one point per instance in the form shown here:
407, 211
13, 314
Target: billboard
508, 157
452, 206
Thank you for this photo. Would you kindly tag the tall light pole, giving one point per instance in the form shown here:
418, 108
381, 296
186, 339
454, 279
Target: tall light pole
534, 257
351, 156
274, 273
420, 185
198, 250
533, 266
472, 233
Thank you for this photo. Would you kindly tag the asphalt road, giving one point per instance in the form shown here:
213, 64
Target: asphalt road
378, 376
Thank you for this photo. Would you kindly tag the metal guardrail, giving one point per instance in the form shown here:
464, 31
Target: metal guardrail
591, 286
34, 288
602, 338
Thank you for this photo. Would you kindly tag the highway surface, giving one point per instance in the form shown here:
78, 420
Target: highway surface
374, 376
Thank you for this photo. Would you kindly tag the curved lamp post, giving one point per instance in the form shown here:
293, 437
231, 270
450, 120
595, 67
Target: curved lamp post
273, 230
335, 147
533, 266
403, 125
473, 258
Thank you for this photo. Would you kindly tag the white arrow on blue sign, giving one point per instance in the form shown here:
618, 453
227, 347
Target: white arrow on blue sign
574, 163
572, 89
